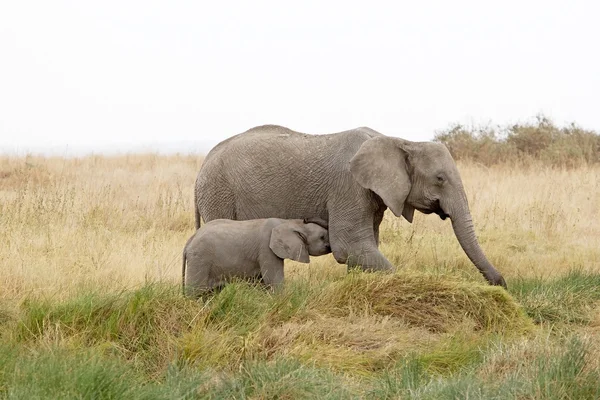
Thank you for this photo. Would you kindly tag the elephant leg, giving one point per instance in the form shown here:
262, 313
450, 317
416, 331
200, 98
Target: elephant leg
367, 259
271, 269
196, 278
353, 242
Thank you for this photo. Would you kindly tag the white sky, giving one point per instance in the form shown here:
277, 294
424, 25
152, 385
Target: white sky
101, 75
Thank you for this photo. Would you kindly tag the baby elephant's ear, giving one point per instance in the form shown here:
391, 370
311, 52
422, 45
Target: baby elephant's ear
287, 241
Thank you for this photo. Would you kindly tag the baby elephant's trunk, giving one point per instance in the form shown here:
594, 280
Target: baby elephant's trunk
315, 220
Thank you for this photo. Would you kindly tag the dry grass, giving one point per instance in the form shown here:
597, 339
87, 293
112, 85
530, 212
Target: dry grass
97, 221
74, 232
119, 221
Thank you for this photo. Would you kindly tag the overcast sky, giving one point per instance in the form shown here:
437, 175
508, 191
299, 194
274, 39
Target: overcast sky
82, 75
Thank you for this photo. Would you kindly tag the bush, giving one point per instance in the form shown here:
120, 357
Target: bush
542, 141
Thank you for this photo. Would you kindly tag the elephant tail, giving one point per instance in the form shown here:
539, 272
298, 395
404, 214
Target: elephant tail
183, 265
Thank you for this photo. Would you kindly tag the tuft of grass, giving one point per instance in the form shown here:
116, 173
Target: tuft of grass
281, 379
133, 324
58, 374
295, 299
566, 376
401, 381
434, 302
558, 372
568, 299
457, 353
240, 306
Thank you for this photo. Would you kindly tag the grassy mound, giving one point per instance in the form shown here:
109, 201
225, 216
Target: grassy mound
407, 335
436, 303
359, 323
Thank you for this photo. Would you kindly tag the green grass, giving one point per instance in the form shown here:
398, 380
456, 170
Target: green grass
568, 299
403, 335
52, 373
557, 373
56, 373
134, 324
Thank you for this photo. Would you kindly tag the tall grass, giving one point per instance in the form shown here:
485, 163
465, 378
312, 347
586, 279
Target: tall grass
90, 303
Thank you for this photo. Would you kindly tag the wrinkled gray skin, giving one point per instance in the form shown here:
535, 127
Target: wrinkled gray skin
347, 178
254, 249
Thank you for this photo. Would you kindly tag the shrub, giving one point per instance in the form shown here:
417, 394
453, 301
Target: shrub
542, 141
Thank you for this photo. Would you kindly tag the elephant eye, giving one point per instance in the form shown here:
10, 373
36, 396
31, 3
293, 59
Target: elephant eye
441, 178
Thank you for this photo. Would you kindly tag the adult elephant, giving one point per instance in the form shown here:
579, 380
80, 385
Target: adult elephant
347, 178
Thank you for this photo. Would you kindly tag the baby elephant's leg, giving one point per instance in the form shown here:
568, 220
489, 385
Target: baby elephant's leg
196, 277
271, 269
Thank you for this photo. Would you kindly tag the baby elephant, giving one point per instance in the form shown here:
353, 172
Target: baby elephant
250, 249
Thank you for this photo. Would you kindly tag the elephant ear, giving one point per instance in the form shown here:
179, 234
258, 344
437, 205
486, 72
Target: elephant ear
289, 242
408, 212
380, 165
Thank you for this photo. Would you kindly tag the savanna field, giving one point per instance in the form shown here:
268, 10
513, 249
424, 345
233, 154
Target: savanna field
91, 304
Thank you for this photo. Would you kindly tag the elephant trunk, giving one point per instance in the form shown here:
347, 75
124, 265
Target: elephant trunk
462, 224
